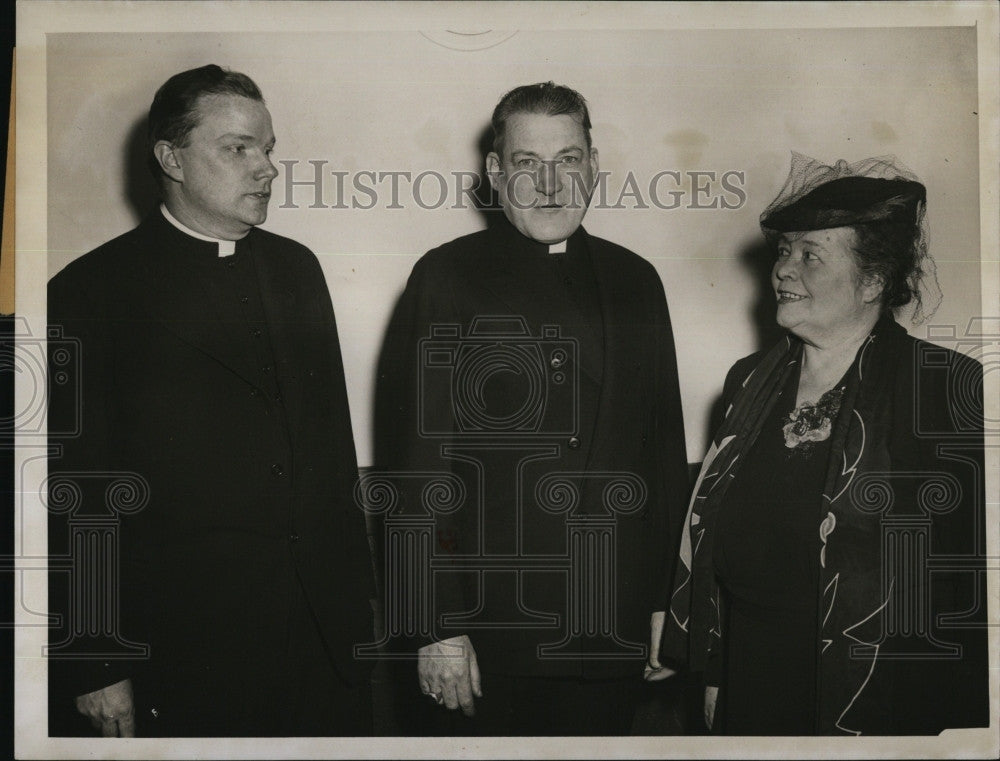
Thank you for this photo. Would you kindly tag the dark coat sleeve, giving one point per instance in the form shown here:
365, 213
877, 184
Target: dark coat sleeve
938, 434
670, 441
403, 453
80, 466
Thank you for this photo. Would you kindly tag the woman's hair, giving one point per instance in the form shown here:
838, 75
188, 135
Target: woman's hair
889, 252
884, 204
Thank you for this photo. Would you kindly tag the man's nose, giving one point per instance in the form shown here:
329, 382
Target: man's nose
266, 169
548, 181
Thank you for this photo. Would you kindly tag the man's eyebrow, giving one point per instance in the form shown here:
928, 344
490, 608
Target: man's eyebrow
244, 138
567, 149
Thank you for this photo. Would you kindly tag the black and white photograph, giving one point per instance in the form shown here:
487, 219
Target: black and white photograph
558, 380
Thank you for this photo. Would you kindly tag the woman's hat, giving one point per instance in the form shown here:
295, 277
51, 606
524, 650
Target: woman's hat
849, 201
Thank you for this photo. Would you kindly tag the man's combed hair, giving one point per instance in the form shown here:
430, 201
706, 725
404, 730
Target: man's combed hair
174, 112
542, 98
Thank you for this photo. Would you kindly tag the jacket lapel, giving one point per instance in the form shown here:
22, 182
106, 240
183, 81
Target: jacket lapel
284, 317
619, 335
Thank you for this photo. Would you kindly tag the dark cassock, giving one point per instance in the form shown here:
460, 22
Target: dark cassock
204, 538
544, 380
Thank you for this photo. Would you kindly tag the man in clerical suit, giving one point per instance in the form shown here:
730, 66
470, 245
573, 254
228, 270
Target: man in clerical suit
529, 405
208, 436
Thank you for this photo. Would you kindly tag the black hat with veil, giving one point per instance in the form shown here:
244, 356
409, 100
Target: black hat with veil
877, 194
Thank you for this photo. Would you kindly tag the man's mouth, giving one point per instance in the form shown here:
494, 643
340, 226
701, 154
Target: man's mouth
786, 297
261, 195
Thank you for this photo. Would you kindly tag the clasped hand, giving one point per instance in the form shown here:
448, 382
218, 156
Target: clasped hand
110, 709
449, 673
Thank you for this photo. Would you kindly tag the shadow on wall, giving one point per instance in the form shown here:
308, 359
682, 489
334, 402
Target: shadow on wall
486, 199
141, 191
756, 259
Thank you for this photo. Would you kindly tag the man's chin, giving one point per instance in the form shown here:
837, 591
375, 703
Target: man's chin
550, 231
256, 218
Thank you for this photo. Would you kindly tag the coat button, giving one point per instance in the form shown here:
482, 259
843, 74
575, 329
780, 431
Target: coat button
277, 470
255, 332
293, 538
574, 443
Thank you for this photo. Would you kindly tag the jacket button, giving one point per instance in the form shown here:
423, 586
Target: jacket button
574, 443
277, 470
293, 538
255, 332
253, 392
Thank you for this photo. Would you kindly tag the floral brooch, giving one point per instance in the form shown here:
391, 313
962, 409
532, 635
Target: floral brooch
810, 422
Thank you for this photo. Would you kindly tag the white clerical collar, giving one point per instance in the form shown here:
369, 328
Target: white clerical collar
226, 247
557, 248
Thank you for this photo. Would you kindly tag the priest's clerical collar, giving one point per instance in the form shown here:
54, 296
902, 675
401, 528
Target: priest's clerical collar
226, 247
557, 248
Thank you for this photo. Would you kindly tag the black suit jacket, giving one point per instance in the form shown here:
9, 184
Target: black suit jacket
242, 502
566, 438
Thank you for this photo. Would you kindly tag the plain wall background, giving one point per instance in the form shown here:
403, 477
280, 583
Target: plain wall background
712, 100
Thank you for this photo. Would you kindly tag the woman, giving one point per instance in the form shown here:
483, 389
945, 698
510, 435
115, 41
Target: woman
828, 580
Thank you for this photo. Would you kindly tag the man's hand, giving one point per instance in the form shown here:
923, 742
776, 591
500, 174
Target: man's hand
711, 695
110, 709
449, 673
654, 670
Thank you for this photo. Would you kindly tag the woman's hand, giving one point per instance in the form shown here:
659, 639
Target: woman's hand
655, 671
711, 695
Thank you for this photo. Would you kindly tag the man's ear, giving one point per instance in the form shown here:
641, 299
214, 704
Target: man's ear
594, 164
169, 161
493, 170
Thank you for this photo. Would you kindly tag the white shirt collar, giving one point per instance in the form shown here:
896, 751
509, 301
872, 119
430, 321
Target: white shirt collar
226, 247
